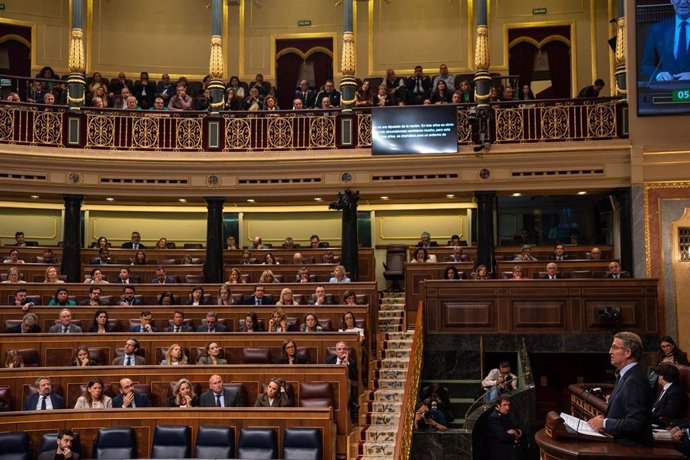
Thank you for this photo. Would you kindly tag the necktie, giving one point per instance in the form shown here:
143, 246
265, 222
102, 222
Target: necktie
218, 401
64, 330
43, 403
258, 301
129, 361
682, 53
177, 328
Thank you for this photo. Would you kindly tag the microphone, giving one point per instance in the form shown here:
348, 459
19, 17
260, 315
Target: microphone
652, 77
581, 411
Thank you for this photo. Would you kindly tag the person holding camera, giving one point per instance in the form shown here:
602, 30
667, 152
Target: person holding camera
433, 411
499, 380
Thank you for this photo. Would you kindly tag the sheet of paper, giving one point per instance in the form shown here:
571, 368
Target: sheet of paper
661, 435
579, 425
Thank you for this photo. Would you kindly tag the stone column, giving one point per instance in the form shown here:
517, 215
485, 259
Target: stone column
621, 51
213, 268
348, 84
485, 228
76, 83
482, 80
624, 199
217, 84
71, 239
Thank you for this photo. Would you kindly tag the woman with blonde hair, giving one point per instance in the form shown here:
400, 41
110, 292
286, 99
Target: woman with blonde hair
278, 322
52, 276
235, 277
94, 397
183, 395
267, 277
14, 359
175, 356
340, 275
14, 276
286, 298
225, 295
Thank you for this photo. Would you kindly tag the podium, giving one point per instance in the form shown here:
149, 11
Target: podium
556, 441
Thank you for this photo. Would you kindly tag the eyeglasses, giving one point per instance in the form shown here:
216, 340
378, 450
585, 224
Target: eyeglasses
616, 347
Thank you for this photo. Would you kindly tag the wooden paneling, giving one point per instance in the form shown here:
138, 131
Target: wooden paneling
565, 267
539, 306
416, 273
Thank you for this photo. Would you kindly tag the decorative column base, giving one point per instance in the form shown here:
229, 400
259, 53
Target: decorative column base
348, 88
217, 95
76, 91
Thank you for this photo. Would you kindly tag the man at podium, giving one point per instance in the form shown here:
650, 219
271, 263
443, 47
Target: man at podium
628, 415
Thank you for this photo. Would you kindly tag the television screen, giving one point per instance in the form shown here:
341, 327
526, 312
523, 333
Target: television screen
663, 57
408, 130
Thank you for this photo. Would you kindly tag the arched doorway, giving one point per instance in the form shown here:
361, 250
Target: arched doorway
298, 59
15, 55
542, 58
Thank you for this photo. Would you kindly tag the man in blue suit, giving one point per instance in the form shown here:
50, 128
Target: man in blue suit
672, 403
628, 414
44, 398
128, 397
667, 51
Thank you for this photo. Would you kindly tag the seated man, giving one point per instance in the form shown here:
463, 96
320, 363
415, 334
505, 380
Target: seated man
448, 79
120, 101
162, 278
259, 297
28, 325
217, 396
319, 297
94, 299
559, 253
329, 92
129, 358
289, 243
65, 326
257, 243
212, 324
44, 398
246, 258
181, 100
342, 358
305, 95
178, 324
672, 403
425, 241
64, 448
19, 239
134, 243
49, 258
314, 241
457, 255
20, 300
103, 257
418, 87
592, 90
145, 320
123, 278
128, 398
230, 242
525, 254
615, 271
499, 380
551, 272
297, 258
595, 253
128, 299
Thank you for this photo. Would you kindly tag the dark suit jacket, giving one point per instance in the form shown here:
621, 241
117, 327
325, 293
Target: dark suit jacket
628, 415
129, 245
120, 361
168, 280
673, 406
138, 329
17, 329
119, 280
426, 86
184, 328
265, 300
565, 257
351, 369
140, 400
622, 275
30, 402
219, 328
545, 276
232, 399
297, 360
50, 455
135, 301
658, 51
309, 100
501, 444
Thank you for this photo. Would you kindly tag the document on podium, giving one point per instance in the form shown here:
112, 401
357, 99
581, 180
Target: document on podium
579, 426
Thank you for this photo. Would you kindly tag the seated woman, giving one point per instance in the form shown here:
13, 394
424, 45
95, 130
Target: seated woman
383, 98
270, 104
286, 298
52, 276
196, 297
670, 353
481, 273
269, 259
363, 97
235, 85
183, 395
140, 258
162, 243
251, 324
311, 323
166, 298
289, 354
94, 397
14, 258
175, 356
278, 321
517, 273
440, 94
349, 297
275, 395
14, 276
212, 356
61, 299
350, 325
420, 256
232, 101
82, 357
267, 277
14, 359
100, 322
235, 277
303, 275
96, 277
101, 242
339, 275
466, 93
225, 295
451, 273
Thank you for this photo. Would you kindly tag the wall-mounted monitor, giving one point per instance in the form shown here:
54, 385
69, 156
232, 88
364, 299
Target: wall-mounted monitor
409, 130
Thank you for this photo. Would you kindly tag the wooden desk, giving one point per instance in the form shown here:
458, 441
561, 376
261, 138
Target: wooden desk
544, 252
416, 273
532, 269
539, 306
144, 422
30, 272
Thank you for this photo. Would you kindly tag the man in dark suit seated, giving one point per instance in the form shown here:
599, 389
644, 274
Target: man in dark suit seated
672, 403
178, 324
20, 301
306, 95
259, 298
615, 271
128, 398
44, 398
103, 257
162, 278
130, 358
94, 299
425, 241
28, 325
551, 272
128, 299
135, 242
145, 320
212, 324
559, 253
64, 448
217, 396
629, 410
342, 358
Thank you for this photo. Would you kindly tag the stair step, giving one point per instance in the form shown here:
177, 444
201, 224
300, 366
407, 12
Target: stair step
397, 354
390, 363
397, 344
390, 374
386, 449
383, 407
380, 418
386, 395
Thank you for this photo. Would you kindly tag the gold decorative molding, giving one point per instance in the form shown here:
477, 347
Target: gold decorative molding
482, 58
215, 67
620, 42
349, 60
77, 60
302, 54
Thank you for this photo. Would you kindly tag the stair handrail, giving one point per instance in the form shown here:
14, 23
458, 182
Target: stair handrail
411, 390
482, 398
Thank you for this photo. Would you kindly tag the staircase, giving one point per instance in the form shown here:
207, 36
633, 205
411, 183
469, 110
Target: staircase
379, 413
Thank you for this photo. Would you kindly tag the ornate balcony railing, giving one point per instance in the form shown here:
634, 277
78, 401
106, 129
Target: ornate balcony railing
90, 128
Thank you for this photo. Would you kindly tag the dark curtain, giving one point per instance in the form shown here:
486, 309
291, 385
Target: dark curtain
521, 62
287, 70
323, 68
19, 57
559, 66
